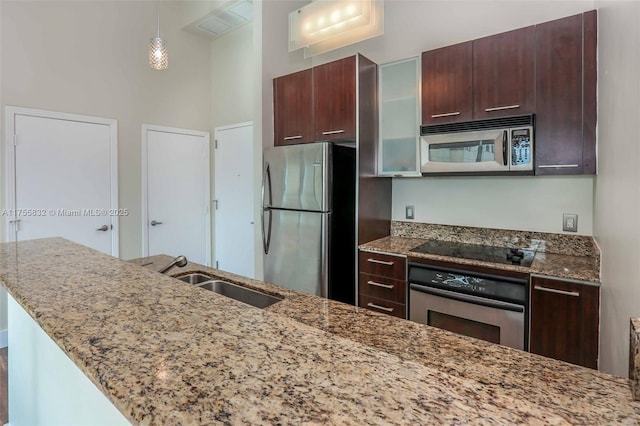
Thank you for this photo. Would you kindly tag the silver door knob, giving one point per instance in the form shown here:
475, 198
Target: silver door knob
154, 223
103, 228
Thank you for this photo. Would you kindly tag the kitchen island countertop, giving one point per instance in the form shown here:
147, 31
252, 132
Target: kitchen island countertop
167, 353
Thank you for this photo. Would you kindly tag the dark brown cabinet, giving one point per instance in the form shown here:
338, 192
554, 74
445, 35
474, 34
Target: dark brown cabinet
334, 91
447, 84
564, 321
293, 103
316, 104
503, 74
484, 78
382, 283
566, 95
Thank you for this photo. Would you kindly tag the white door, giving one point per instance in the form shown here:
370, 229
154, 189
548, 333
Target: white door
176, 213
234, 222
62, 178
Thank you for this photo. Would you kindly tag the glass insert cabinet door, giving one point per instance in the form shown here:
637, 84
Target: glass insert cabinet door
399, 86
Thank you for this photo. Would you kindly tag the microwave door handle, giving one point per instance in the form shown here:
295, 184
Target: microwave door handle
504, 147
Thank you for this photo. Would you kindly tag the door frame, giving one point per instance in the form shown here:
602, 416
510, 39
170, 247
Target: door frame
10, 188
145, 183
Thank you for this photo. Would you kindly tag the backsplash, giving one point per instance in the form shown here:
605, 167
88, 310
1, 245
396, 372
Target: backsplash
573, 245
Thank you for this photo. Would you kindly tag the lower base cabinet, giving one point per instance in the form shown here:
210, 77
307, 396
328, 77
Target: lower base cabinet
565, 320
382, 283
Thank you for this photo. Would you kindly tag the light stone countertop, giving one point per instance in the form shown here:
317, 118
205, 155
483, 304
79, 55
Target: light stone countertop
563, 266
167, 353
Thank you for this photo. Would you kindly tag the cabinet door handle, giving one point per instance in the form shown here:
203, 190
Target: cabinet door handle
447, 114
558, 166
333, 132
553, 290
380, 284
381, 262
500, 108
290, 138
382, 308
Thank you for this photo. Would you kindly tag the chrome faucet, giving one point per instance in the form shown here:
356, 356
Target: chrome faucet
179, 261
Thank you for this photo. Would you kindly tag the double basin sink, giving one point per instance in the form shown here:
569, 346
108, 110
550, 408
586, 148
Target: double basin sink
234, 291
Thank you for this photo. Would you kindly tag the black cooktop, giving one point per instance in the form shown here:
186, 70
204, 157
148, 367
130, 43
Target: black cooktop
506, 255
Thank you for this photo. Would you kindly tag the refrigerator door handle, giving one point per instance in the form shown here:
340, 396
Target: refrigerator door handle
266, 181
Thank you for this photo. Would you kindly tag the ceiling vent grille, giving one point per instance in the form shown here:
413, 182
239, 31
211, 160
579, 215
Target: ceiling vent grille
225, 19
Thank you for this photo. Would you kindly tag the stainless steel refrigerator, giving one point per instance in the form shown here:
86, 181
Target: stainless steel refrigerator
308, 219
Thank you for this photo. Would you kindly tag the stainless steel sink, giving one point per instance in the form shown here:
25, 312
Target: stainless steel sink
234, 291
194, 278
241, 294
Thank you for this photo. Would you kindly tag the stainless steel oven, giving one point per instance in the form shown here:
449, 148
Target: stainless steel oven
484, 306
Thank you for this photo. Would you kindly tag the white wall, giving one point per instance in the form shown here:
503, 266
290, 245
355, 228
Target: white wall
232, 77
617, 193
524, 203
91, 58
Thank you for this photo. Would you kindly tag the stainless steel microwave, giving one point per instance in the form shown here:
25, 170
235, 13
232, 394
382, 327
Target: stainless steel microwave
478, 147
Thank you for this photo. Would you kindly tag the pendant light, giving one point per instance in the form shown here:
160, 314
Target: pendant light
158, 55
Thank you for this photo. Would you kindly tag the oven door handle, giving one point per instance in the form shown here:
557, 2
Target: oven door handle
497, 304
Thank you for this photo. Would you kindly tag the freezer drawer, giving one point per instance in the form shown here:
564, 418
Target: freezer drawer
296, 246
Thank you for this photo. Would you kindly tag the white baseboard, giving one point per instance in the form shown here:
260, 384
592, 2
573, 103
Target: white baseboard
4, 339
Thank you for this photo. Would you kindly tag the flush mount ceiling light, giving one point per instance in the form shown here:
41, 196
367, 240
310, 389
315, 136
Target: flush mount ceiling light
324, 25
158, 55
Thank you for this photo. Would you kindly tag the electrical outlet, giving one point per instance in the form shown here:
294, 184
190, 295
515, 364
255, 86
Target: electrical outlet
570, 222
409, 212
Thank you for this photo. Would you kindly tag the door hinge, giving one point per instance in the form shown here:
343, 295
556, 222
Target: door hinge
15, 139
216, 264
215, 203
215, 144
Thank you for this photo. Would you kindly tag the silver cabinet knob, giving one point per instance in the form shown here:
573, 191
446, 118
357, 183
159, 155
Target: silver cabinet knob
155, 222
103, 228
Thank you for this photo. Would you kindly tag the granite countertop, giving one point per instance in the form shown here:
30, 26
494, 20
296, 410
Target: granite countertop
167, 353
634, 357
583, 268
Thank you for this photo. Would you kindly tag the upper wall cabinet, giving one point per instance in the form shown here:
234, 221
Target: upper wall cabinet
334, 90
447, 84
398, 91
293, 102
548, 70
316, 104
503, 67
566, 95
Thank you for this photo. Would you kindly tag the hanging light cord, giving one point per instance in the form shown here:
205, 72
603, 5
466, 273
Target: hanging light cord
158, 16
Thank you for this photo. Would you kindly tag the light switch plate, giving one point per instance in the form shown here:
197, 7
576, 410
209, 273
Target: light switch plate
409, 212
570, 222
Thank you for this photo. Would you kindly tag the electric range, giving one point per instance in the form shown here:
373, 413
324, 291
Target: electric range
504, 255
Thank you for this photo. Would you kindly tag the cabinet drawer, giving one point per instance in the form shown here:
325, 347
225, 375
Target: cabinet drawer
382, 306
382, 288
385, 265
